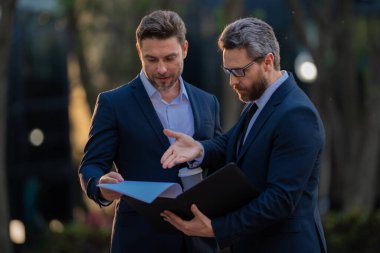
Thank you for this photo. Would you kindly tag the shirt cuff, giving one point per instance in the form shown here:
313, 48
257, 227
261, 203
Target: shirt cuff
103, 202
97, 197
197, 161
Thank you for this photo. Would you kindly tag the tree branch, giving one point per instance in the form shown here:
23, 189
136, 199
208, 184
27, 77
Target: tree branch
298, 22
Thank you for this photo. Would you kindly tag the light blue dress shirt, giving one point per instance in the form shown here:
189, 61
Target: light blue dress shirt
176, 115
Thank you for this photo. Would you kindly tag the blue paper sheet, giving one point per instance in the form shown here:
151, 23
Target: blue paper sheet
144, 190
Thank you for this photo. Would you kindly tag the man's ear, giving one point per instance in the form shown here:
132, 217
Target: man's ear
269, 61
138, 50
185, 48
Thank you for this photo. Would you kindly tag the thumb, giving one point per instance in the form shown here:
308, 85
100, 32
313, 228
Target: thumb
195, 211
170, 133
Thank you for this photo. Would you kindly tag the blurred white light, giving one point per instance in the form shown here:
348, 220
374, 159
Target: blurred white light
17, 231
308, 71
36, 137
56, 226
305, 68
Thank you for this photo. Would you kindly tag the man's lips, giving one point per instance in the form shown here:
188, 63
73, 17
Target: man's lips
162, 77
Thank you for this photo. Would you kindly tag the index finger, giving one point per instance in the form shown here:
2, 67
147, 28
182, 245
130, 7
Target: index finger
166, 155
116, 176
170, 133
174, 219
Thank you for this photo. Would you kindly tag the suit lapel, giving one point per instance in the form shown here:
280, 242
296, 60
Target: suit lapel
148, 110
277, 97
236, 132
261, 119
195, 104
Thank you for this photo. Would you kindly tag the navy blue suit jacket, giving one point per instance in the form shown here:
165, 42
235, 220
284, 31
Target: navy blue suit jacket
281, 157
127, 132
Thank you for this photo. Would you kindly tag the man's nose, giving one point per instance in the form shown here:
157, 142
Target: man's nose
233, 80
162, 68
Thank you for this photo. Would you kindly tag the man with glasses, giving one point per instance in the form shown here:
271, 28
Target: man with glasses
277, 143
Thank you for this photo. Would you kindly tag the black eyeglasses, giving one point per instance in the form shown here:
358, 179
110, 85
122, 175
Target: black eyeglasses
240, 72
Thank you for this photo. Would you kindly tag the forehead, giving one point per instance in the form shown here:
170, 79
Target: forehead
158, 47
235, 58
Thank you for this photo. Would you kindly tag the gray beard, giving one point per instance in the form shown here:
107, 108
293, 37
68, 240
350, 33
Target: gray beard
164, 88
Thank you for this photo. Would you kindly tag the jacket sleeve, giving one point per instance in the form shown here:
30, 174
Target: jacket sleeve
218, 128
215, 151
100, 149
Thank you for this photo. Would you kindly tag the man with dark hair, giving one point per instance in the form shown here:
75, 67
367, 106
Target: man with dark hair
277, 143
127, 130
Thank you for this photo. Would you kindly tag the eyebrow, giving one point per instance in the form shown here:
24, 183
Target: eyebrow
165, 56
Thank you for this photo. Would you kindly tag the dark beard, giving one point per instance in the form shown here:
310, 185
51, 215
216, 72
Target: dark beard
256, 90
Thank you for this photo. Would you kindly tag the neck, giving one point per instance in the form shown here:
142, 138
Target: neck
274, 76
171, 93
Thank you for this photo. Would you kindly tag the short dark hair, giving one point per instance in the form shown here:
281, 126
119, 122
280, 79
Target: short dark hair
161, 25
252, 34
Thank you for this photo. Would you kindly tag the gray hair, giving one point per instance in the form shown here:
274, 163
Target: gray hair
252, 34
161, 24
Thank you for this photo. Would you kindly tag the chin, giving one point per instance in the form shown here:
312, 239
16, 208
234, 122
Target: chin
165, 86
243, 99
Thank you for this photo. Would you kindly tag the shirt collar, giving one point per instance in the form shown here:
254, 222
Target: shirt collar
271, 89
152, 91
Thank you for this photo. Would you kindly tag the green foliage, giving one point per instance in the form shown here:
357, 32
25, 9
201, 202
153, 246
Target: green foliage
352, 232
77, 238
345, 233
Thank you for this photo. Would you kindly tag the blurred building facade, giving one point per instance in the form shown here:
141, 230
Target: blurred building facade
39, 168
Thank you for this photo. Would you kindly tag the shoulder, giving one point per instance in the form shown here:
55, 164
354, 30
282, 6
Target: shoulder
300, 116
122, 90
294, 105
291, 96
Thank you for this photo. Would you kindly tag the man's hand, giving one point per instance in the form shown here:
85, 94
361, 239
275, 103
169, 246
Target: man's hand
200, 225
110, 178
184, 149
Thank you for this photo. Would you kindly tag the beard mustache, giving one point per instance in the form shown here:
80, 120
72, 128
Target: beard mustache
253, 92
164, 86
173, 79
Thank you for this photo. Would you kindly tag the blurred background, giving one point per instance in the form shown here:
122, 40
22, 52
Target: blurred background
57, 55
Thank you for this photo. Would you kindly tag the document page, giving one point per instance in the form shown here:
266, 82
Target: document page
144, 190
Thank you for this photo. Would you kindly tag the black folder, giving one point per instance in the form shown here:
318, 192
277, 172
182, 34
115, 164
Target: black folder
223, 191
